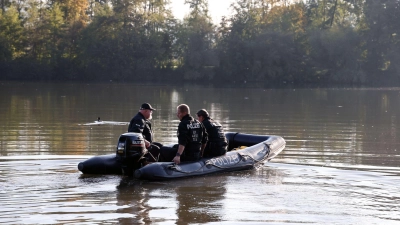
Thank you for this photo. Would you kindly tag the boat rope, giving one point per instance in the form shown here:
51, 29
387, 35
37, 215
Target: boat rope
265, 157
246, 156
208, 162
152, 156
174, 167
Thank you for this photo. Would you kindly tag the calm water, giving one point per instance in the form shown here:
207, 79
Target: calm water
341, 164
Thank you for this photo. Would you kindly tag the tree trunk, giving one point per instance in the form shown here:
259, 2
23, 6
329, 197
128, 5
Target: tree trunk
333, 13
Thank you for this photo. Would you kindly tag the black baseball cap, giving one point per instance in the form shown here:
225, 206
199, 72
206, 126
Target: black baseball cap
147, 106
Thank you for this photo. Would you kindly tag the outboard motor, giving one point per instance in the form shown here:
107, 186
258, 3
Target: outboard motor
130, 151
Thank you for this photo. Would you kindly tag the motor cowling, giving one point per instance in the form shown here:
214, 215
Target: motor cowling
130, 150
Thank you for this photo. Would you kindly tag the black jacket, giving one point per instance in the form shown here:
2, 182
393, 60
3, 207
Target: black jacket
191, 134
217, 143
139, 124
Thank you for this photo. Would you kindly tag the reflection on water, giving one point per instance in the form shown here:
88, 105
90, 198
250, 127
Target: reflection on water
340, 164
196, 200
328, 126
53, 192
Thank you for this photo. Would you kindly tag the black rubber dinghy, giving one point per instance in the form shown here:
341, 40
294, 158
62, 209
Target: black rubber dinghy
259, 148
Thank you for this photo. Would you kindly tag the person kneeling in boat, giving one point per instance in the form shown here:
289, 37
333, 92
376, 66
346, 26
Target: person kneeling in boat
140, 123
192, 139
217, 144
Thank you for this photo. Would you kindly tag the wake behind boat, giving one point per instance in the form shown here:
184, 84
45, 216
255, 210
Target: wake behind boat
129, 159
101, 122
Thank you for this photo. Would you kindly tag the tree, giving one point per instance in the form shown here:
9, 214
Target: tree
4, 4
11, 35
195, 42
130, 41
335, 55
381, 38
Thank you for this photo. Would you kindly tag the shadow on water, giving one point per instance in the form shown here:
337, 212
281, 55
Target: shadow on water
196, 199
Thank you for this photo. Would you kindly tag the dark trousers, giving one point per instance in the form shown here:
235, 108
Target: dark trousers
167, 154
215, 149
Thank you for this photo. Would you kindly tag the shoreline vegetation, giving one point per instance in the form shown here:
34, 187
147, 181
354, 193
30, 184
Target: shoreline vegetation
265, 42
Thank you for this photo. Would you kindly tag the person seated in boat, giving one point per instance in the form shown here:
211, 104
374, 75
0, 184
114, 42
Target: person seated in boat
217, 144
140, 123
192, 139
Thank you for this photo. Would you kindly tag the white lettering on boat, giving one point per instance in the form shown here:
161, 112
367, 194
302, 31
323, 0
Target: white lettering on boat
225, 160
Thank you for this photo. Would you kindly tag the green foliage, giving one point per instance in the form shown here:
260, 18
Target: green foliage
265, 41
11, 35
129, 42
195, 42
335, 55
261, 44
381, 38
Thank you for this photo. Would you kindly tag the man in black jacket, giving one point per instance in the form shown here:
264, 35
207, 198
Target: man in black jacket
140, 123
192, 138
217, 144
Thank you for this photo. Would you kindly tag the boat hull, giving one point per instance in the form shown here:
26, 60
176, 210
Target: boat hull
261, 148
243, 159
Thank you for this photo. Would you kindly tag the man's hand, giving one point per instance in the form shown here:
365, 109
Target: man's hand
177, 159
146, 144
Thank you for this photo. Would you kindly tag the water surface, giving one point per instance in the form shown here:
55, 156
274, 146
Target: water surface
340, 164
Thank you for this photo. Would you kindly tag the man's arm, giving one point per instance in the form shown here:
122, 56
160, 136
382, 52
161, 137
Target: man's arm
177, 158
137, 126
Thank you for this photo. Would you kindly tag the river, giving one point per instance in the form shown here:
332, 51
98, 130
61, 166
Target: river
341, 164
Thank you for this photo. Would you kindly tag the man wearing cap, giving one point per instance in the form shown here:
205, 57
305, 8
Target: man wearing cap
140, 123
217, 144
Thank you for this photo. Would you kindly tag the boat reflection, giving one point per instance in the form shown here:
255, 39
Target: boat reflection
198, 200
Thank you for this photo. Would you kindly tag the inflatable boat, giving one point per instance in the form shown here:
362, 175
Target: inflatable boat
245, 151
